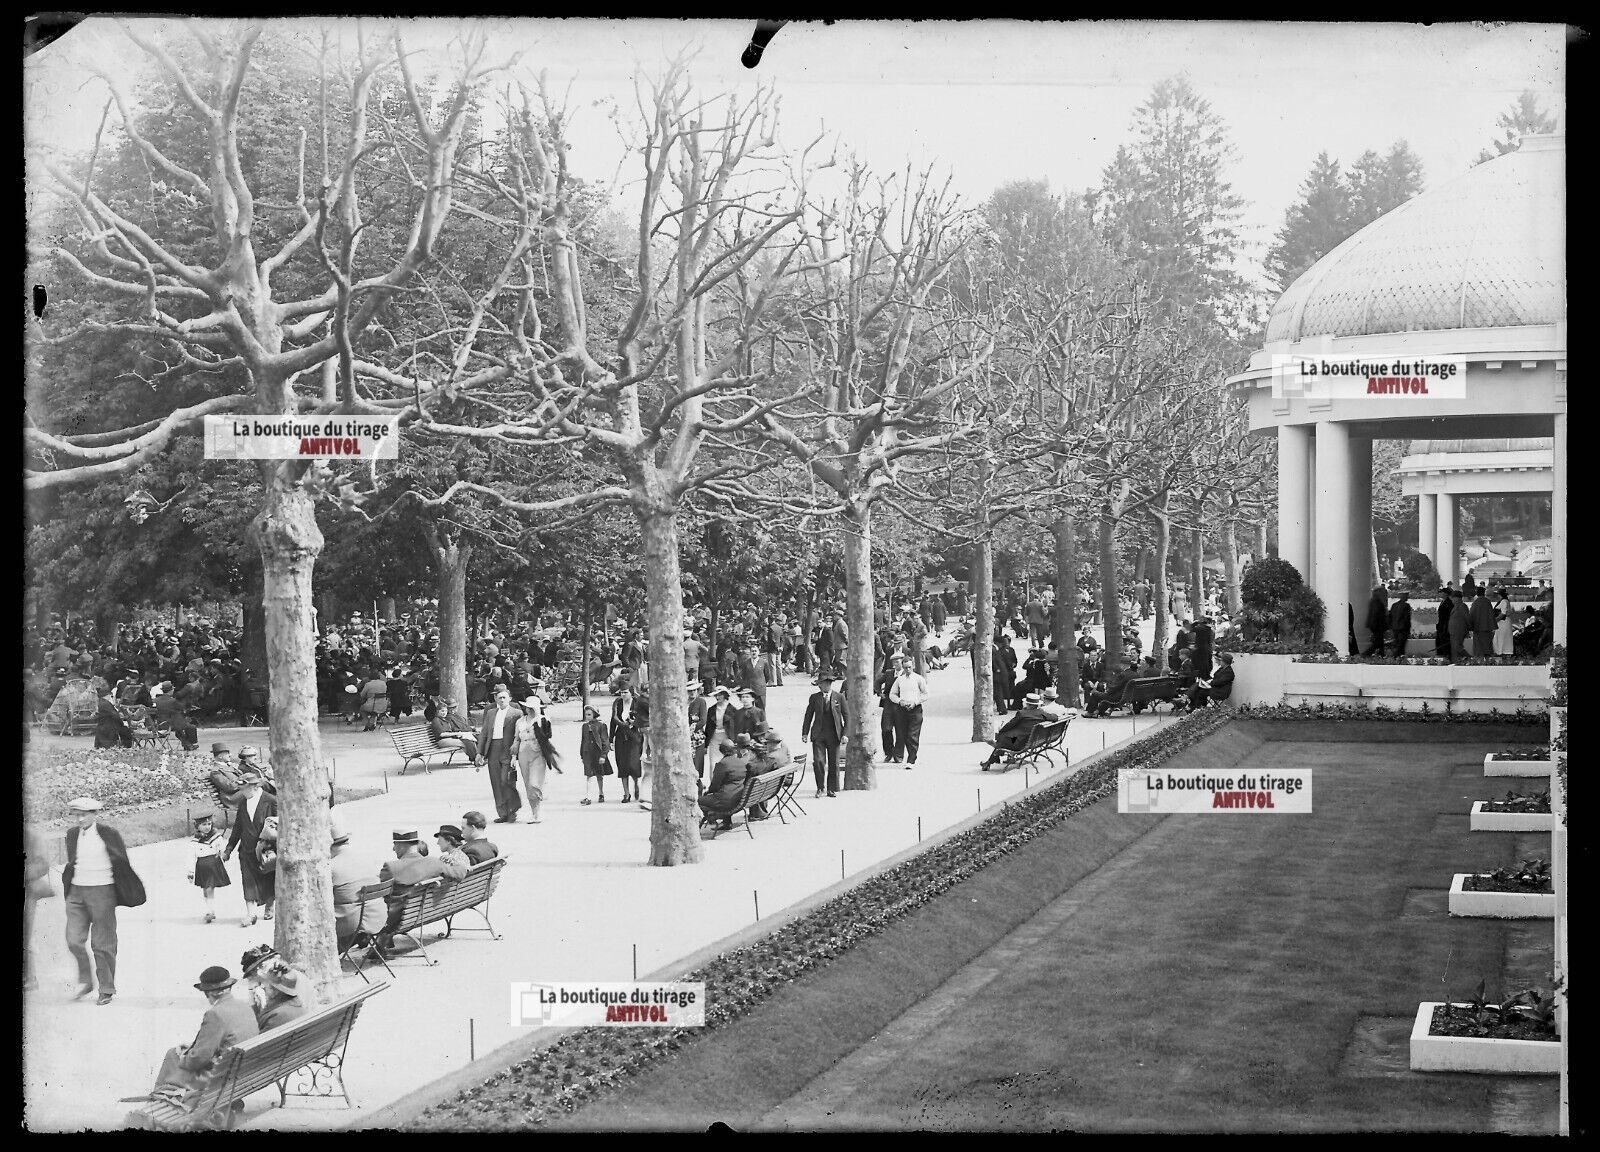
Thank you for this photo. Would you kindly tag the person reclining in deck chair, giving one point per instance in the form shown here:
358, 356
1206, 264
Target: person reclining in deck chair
1017, 731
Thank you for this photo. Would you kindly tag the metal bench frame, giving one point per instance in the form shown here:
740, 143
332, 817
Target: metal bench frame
417, 742
440, 899
1045, 741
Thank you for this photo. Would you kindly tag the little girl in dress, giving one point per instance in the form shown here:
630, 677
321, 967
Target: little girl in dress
207, 872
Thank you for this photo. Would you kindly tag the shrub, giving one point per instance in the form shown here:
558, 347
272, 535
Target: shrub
1267, 582
1420, 569
1303, 614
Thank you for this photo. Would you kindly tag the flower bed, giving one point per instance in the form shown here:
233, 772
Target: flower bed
1483, 820
1470, 897
117, 777
1382, 712
1277, 647
584, 1062
1520, 802
1423, 661
1533, 760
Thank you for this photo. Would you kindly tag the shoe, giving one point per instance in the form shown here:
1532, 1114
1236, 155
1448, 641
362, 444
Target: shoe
535, 820
602, 800
105, 998
819, 793
83, 990
267, 915
210, 916
984, 766
501, 820
832, 793
909, 767
585, 800
643, 805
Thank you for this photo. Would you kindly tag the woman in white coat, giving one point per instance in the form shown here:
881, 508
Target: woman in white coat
535, 754
1503, 644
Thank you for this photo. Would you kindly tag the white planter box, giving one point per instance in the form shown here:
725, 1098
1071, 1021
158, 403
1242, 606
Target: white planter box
1502, 905
1475, 1054
1493, 767
1508, 821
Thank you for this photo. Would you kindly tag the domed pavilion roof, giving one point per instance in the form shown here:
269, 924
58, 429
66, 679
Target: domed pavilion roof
1486, 250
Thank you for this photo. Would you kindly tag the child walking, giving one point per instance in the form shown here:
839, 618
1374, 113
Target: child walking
594, 749
207, 872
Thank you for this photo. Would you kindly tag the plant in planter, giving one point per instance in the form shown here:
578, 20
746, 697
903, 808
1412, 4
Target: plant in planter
1523, 752
1522, 803
1526, 876
1515, 1035
1528, 1015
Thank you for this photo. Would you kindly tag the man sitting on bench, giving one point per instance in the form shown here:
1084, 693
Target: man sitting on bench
1218, 688
1100, 703
1018, 730
408, 869
727, 781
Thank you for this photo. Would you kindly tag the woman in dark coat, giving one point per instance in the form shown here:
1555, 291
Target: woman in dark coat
1441, 631
594, 749
1378, 620
1004, 667
260, 888
110, 729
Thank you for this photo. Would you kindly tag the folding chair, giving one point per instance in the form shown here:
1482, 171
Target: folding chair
363, 946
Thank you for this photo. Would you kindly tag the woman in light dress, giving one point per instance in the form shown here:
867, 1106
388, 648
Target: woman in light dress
1503, 644
535, 754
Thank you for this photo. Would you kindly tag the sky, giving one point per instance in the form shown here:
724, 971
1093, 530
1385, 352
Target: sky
989, 102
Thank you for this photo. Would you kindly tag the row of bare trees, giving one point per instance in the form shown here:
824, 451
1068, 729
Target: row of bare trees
768, 334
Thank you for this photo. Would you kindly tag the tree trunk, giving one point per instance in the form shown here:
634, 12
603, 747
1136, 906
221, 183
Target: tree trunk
861, 721
1066, 534
716, 614
674, 815
1197, 572
583, 660
286, 533
1230, 566
983, 644
1109, 601
450, 563
1261, 540
1141, 565
386, 610
1158, 646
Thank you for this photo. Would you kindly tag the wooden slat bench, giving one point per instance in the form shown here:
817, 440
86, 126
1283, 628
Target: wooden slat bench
363, 946
417, 742
1045, 741
313, 1045
1151, 690
757, 790
440, 899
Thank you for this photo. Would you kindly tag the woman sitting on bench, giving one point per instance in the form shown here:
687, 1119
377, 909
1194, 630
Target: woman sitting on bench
451, 729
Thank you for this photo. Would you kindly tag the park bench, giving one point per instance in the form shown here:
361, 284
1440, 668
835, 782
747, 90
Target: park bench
439, 899
362, 946
417, 742
757, 790
1045, 741
312, 1046
1151, 690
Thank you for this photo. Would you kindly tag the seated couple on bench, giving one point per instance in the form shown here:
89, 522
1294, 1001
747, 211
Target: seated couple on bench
1036, 709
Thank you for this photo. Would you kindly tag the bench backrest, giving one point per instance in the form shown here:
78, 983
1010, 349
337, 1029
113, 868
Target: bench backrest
1151, 688
1048, 733
765, 787
275, 1054
413, 738
432, 902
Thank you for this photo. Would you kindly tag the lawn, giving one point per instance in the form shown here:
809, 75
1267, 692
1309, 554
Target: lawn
1204, 973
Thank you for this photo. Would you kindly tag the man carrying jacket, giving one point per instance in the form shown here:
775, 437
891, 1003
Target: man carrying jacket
97, 880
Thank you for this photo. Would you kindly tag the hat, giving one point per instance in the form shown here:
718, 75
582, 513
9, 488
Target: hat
406, 838
722, 690
772, 736
253, 959
215, 979
726, 746
250, 773
451, 831
249, 750
823, 677
218, 748
337, 832
742, 740
204, 818
84, 804
747, 692
1051, 694
1033, 699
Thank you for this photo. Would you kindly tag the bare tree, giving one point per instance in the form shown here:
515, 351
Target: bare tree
230, 312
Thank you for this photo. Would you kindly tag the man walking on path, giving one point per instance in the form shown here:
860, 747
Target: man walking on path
908, 693
824, 727
1481, 618
499, 728
1460, 624
97, 880
1400, 622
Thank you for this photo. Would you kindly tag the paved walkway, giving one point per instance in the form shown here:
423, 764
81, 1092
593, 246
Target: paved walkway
574, 902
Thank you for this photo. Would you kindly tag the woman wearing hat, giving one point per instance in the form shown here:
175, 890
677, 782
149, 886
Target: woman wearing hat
228, 1022
627, 737
453, 862
207, 872
534, 752
275, 988
249, 821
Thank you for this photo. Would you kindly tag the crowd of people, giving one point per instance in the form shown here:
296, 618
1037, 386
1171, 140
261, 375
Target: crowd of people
1474, 621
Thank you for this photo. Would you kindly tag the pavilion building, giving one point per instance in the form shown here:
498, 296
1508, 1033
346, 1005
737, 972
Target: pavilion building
1472, 272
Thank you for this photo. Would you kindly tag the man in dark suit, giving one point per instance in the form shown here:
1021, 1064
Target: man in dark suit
1400, 622
1441, 630
249, 818
97, 880
494, 749
1099, 703
749, 719
1004, 667
838, 640
749, 676
727, 781
1017, 730
824, 719
1218, 688
1459, 625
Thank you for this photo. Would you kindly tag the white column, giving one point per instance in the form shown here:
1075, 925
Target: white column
1359, 558
1294, 497
1330, 550
1444, 548
1558, 526
1427, 526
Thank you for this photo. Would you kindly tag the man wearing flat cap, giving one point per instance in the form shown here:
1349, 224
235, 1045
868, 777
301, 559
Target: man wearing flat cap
823, 727
408, 869
96, 881
228, 1022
